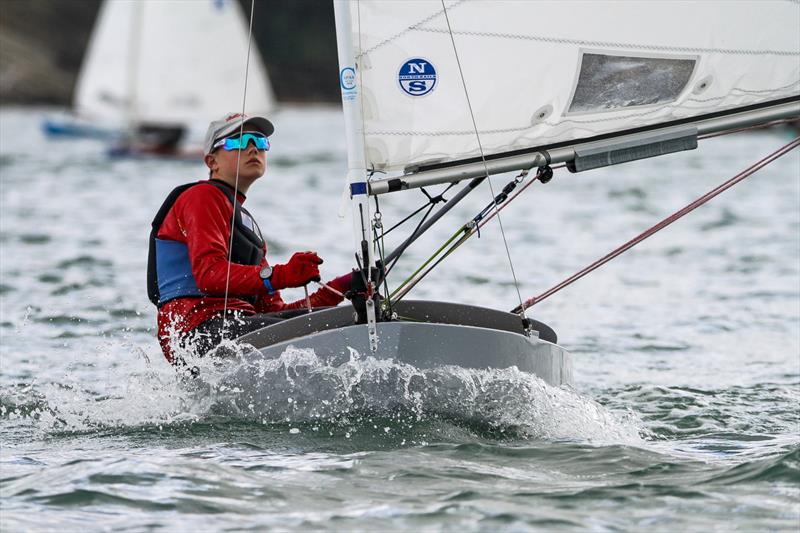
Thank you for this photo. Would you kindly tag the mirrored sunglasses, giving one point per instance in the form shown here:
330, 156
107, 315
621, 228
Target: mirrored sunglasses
240, 142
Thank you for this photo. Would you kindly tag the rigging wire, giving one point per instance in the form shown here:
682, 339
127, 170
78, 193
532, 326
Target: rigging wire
432, 201
416, 229
543, 175
664, 223
483, 157
236, 179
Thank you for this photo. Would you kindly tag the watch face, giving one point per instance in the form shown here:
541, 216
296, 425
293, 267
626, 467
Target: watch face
266, 272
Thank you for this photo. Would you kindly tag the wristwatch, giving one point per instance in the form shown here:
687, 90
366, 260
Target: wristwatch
265, 274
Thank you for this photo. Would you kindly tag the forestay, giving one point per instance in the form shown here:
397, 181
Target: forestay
169, 61
539, 73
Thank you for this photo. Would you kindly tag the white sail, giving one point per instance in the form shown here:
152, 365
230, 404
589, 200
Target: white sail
544, 72
169, 61
104, 83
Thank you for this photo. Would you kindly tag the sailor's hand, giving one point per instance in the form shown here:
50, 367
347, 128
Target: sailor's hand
302, 268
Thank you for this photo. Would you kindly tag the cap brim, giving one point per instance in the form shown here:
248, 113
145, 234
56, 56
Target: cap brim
261, 124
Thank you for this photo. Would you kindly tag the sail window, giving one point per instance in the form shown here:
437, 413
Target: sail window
610, 82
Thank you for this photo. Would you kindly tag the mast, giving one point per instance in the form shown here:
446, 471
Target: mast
349, 82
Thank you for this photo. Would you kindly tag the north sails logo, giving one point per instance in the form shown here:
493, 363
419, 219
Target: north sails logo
417, 77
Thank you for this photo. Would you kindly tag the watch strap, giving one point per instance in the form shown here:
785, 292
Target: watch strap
268, 285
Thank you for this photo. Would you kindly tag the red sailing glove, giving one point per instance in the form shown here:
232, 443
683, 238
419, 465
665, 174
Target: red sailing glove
302, 268
342, 283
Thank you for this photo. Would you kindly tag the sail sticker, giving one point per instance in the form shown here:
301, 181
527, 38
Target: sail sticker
347, 77
417, 77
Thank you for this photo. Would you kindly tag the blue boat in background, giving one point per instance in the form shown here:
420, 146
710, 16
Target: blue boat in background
71, 128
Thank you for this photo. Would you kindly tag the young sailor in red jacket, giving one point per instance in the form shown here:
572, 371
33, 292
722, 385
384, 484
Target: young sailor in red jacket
196, 255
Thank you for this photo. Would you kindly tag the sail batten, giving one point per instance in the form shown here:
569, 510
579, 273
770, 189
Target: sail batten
550, 72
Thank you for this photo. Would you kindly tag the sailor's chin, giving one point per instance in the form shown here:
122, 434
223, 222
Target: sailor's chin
251, 173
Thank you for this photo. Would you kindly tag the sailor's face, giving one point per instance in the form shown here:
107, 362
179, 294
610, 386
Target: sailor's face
252, 162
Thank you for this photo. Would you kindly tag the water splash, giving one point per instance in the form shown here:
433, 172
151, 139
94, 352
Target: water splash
299, 388
130, 391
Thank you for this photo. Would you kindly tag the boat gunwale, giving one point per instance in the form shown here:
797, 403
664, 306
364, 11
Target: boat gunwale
424, 311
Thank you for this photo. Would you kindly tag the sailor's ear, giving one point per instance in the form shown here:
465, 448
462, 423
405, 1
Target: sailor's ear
210, 161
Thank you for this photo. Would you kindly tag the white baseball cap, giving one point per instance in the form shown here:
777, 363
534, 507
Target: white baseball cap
231, 123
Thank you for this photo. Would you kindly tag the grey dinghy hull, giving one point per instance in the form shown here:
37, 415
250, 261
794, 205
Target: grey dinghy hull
427, 335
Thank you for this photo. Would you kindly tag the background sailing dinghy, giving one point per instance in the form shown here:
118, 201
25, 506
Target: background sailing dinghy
155, 71
442, 92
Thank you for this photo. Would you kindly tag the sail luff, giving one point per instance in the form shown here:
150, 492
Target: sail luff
351, 103
567, 152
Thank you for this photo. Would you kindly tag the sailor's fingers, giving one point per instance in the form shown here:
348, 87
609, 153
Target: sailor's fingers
309, 256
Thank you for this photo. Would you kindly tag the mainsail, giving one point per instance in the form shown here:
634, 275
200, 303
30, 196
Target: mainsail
444, 90
544, 73
168, 61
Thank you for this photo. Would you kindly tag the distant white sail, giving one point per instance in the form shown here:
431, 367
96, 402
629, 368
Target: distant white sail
170, 61
544, 72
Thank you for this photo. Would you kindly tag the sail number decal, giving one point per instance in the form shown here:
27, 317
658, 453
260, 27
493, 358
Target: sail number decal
417, 77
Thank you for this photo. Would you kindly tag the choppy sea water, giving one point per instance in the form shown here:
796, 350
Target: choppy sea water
684, 414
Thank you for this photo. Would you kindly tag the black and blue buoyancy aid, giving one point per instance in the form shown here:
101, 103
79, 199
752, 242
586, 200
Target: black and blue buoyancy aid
169, 270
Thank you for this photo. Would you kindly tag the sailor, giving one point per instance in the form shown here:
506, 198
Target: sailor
196, 258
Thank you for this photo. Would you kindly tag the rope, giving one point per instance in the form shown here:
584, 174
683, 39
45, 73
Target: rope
423, 265
663, 224
236, 180
483, 158
432, 201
